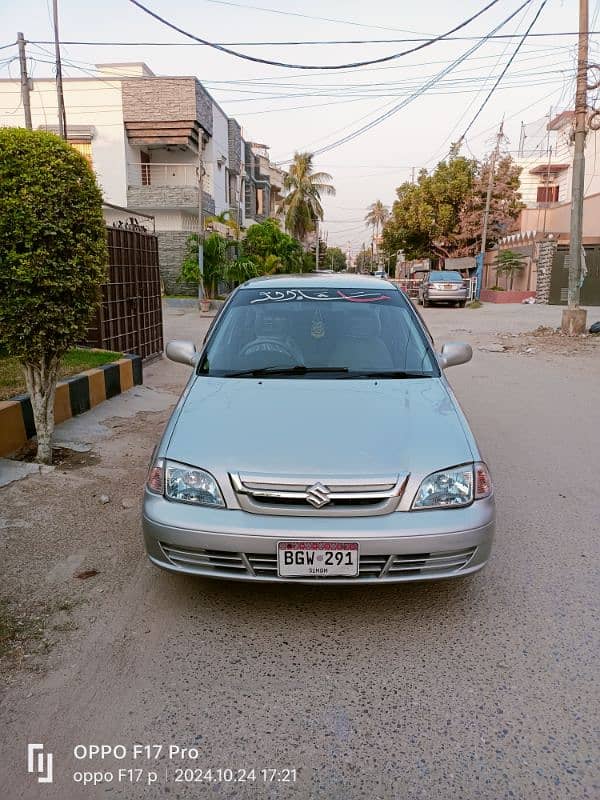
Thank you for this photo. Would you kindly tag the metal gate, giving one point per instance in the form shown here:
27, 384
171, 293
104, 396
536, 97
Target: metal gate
559, 283
129, 319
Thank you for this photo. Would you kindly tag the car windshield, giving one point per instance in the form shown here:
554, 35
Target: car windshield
318, 333
445, 277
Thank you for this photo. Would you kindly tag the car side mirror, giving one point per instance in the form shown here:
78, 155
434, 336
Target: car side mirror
454, 353
182, 351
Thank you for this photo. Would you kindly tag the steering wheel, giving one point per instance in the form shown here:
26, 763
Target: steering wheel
274, 346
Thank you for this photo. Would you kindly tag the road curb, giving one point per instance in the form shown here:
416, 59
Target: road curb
74, 396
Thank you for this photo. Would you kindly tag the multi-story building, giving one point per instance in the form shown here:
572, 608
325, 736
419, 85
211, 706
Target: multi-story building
542, 235
546, 159
149, 139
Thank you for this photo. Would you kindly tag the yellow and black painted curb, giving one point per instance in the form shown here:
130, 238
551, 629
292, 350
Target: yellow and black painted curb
73, 396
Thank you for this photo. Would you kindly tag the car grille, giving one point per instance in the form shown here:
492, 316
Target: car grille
264, 565
304, 496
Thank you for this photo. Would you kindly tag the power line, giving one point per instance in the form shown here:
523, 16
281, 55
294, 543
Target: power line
307, 16
354, 92
505, 70
473, 101
268, 80
351, 65
419, 92
300, 43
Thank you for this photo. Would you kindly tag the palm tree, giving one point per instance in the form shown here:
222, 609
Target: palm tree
302, 202
377, 216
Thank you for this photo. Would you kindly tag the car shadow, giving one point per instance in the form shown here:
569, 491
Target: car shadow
355, 603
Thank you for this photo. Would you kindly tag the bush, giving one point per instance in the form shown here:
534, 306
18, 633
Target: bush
53, 258
265, 240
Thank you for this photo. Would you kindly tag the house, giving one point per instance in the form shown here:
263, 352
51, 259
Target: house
545, 156
542, 233
149, 138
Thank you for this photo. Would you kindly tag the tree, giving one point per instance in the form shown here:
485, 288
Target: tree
302, 202
442, 213
335, 259
264, 239
215, 262
424, 218
508, 263
505, 206
239, 270
53, 258
377, 215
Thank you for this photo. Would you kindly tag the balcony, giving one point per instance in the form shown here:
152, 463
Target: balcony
164, 186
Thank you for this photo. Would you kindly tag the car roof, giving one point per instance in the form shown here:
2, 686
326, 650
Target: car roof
319, 280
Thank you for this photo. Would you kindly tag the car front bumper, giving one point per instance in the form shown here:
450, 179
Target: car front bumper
397, 547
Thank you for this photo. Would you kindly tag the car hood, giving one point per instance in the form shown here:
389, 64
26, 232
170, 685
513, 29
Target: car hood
319, 427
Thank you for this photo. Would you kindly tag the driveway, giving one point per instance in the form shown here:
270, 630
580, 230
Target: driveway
479, 688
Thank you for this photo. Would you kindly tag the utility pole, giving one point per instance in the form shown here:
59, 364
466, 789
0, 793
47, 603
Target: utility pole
24, 80
62, 117
547, 180
201, 295
317, 243
573, 317
490, 188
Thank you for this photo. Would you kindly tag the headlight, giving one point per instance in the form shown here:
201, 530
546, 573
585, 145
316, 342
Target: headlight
449, 487
191, 485
455, 487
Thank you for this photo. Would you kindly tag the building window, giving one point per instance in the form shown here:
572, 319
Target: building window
145, 167
547, 194
84, 147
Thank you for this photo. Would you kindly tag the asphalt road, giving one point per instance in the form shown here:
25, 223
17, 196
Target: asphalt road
477, 688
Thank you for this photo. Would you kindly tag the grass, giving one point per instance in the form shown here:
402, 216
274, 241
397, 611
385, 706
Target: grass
8, 629
475, 304
12, 380
17, 630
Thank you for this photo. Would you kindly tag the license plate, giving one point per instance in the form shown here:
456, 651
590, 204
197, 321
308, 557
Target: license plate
449, 286
317, 559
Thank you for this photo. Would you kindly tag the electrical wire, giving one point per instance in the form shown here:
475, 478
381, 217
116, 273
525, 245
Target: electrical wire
353, 92
397, 107
300, 43
351, 65
505, 70
306, 16
530, 55
473, 101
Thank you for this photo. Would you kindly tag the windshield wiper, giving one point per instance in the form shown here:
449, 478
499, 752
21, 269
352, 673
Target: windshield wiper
298, 369
387, 374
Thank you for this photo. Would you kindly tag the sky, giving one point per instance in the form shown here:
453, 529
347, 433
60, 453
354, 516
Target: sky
298, 110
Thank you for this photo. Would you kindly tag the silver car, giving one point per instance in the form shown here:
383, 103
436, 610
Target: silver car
443, 286
318, 441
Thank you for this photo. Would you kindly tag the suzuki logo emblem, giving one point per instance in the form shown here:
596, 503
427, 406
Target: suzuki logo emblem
318, 495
